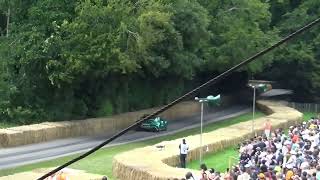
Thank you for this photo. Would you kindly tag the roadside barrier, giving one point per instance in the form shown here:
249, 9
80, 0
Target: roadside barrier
151, 164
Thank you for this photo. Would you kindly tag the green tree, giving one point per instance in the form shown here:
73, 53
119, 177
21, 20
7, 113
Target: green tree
171, 37
74, 59
297, 65
279, 8
34, 93
240, 28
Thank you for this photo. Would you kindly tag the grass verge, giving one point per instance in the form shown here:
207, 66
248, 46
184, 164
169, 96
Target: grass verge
220, 160
101, 161
7, 125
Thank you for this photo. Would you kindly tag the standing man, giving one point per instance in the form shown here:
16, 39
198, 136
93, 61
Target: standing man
183, 153
267, 128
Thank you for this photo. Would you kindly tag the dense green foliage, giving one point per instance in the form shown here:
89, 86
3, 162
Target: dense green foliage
297, 65
85, 58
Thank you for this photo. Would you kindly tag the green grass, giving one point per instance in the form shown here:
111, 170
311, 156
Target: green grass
101, 161
7, 125
307, 115
220, 160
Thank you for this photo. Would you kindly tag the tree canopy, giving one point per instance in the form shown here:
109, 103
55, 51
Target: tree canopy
75, 59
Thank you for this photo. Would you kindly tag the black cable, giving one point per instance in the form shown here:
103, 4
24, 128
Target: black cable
210, 82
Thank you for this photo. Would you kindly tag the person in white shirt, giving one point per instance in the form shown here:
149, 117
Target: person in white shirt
250, 149
292, 160
305, 164
316, 139
269, 158
183, 153
305, 134
245, 175
285, 149
278, 144
242, 148
263, 155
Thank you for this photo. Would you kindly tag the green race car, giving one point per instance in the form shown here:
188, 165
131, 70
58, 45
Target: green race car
157, 124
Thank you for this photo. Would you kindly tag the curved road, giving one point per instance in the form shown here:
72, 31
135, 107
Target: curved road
28, 154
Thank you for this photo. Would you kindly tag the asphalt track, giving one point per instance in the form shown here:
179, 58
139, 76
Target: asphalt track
28, 154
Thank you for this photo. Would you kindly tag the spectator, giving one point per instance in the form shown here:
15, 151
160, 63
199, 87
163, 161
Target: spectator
183, 153
263, 167
318, 172
228, 175
292, 160
292, 157
217, 176
204, 174
296, 157
261, 176
245, 175
267, 128
189, 176
211, 174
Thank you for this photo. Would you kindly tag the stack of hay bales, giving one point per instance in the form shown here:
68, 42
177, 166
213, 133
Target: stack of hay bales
47, 131
25, 135
71, 174
10, 137
150, 163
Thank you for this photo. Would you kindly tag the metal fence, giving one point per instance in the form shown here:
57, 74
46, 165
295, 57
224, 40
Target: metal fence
305, 107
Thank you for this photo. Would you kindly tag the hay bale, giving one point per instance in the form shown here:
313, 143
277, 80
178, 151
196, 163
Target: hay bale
291, 115
92, 126
4, 138
107, 125
156, 166
71, 174
122, 121
11, 138
55, 130
96, 126
61, 129
84, 127
25, 133
48, 132
183, 109
33, 133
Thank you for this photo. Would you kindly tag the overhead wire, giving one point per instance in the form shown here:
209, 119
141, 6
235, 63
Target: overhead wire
176, 101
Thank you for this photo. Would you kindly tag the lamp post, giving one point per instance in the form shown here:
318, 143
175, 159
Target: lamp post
216, 100
253, 109
263, 88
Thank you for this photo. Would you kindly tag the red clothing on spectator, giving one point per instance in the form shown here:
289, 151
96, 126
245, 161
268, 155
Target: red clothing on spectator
295, 138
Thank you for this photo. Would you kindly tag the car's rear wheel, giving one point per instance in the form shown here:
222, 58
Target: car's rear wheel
156, 130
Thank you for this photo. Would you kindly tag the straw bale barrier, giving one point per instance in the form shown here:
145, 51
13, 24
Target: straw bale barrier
150, 163
47, 131
35, 174
8, 136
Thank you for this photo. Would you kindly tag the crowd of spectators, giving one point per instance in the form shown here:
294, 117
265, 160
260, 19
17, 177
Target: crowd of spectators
292, 155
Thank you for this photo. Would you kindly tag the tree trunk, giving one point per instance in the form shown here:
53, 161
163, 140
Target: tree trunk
8, 21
